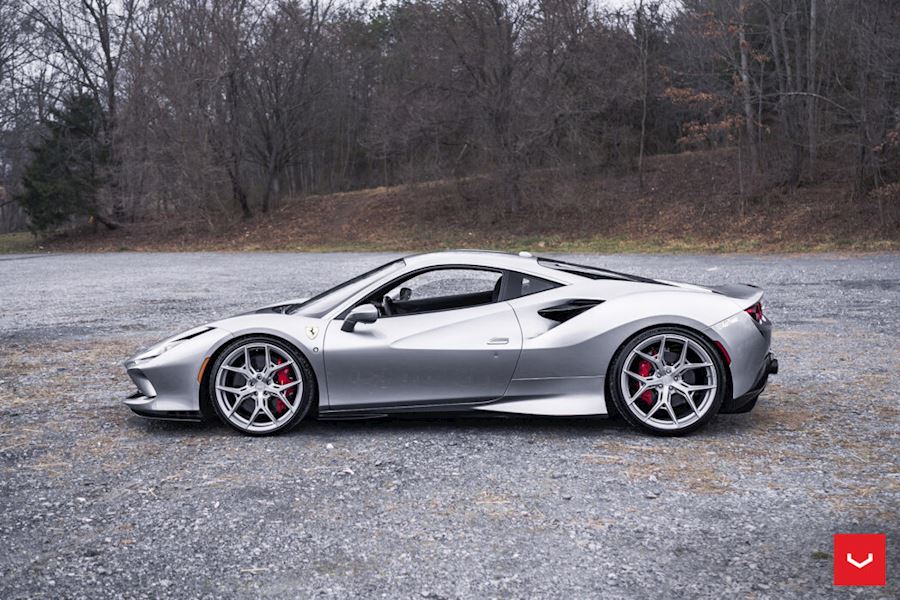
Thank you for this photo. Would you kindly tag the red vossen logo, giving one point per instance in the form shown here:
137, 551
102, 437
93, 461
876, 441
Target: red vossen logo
860, 559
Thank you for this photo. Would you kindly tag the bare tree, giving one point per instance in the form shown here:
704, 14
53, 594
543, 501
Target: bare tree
744, 51
281, 93
811, 66
86, 42
212, 108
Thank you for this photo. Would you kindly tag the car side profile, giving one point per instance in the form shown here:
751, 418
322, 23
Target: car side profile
471, 332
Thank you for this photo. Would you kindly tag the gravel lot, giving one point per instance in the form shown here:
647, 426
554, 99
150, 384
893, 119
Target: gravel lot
97, 503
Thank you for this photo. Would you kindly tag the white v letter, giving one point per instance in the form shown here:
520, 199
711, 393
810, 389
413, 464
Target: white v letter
859, 565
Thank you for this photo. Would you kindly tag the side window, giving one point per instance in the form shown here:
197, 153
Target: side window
525, 285
533, 285
441, 289
447, 282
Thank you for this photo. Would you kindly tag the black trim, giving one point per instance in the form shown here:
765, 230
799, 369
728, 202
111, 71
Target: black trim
736, 290
746, 402
441, 303
593, 272
168, 415
280, 309
377, 410
568, 309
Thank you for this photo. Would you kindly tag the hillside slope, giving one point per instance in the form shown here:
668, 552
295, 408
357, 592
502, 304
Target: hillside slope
690, 201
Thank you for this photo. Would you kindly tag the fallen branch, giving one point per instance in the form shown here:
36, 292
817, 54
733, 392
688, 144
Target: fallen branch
109, 223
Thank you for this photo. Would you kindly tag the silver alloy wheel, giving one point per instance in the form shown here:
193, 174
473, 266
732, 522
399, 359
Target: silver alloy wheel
669, 381
258, 387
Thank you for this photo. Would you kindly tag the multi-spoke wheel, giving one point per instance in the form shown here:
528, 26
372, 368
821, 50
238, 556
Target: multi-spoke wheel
261, 386
668, 381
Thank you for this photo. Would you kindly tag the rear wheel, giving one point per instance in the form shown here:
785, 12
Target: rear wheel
668, 381
261, 386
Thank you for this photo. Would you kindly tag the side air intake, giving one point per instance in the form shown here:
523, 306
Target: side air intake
568, 309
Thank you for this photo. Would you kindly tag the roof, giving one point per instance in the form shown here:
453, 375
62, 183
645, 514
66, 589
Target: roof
523, 262
476, 257
485, 258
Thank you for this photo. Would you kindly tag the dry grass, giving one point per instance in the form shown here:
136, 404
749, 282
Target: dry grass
18, 242
688, 468
690, 204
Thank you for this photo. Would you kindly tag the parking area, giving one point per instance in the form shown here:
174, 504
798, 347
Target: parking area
96, 502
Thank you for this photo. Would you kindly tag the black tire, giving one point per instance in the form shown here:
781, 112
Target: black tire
617, 365
308, 395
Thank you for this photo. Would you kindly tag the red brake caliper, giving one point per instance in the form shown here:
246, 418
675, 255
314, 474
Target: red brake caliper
282, 377
644, 371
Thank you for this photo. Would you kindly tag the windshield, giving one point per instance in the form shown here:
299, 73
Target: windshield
320, 304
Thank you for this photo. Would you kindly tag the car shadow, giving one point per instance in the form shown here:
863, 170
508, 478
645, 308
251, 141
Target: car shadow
396, 424
456, 424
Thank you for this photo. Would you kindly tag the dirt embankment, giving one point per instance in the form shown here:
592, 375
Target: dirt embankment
689, 202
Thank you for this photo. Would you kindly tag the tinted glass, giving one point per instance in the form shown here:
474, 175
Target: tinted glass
319, 305
524, 285
447, 282
533, 285
592, 272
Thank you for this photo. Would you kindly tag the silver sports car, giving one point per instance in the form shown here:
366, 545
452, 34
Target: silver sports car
468, 331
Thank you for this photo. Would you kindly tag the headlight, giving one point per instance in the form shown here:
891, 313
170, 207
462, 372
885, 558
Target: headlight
166, 345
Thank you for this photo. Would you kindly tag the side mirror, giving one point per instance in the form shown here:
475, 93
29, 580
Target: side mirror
364, 313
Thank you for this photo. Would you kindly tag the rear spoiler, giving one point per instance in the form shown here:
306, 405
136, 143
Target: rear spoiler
739, 291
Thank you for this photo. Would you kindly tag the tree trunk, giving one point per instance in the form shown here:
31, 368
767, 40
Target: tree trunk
108, 223
644, 51
791, 111
862, 85
513, 189
644, 92
271, 175
811, 88
237, 190
745, 92
779, 69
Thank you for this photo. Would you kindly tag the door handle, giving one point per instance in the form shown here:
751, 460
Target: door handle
498, 341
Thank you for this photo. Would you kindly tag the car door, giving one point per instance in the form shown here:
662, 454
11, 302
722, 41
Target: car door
426, 355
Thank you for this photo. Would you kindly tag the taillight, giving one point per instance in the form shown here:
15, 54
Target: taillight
755, 311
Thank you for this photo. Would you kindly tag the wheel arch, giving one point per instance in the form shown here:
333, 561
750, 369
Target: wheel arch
205, 401
699, 333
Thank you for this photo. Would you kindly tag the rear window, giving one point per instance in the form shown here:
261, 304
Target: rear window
592, 272
524, 285
533, 285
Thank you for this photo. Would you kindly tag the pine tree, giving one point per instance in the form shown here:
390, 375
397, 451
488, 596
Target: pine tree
63, 179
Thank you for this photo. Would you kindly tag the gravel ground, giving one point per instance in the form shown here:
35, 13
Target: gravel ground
98, 503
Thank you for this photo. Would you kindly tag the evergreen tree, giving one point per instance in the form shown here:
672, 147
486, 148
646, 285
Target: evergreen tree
67, 169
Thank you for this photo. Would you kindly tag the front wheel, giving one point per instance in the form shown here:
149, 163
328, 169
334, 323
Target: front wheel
261, 386
668, 381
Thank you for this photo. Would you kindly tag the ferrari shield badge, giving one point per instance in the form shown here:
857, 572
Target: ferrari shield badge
312, 332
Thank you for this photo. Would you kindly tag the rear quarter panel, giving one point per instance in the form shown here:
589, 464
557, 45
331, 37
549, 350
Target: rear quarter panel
584, 345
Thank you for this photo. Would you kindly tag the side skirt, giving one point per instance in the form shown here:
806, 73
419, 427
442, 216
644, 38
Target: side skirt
376, 412
575, 405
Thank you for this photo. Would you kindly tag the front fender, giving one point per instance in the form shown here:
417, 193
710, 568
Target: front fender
304, 333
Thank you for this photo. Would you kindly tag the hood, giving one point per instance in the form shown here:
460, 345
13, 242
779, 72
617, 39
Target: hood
277, 307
